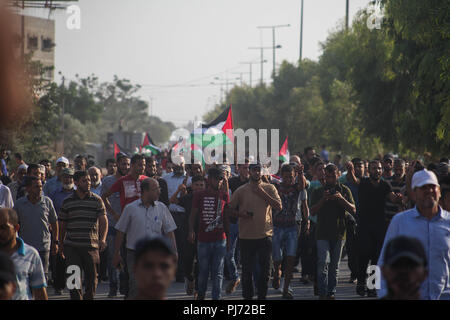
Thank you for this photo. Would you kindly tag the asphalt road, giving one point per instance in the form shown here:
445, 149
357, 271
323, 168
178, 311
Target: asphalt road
345, 290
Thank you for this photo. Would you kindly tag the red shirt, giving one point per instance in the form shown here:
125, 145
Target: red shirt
210, 207
128, 188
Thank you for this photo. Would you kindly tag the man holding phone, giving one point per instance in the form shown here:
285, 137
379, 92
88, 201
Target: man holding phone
330, 203
255, 201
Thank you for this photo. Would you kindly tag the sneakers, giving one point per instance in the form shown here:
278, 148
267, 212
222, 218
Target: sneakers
112, 294
372, 293
290, 290
352, 280
189, 286
361, 290
287, 295
232, 286
305, 280
331, 297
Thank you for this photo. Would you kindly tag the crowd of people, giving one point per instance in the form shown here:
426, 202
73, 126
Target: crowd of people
142, 222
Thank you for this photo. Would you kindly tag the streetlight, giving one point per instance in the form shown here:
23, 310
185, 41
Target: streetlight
273, 40
262, 57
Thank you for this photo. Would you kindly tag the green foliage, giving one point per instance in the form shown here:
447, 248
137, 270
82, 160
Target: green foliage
372, 91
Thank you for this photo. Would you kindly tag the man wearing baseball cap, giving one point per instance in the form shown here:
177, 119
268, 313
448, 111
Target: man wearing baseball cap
55, 183
430, 224
405, 268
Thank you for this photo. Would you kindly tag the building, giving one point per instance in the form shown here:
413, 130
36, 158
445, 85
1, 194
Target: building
37, 36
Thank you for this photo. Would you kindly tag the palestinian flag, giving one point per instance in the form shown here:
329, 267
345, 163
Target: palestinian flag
214, 133
284, 152
149, 147
118, 149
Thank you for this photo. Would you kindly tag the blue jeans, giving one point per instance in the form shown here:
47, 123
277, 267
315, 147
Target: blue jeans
229, 258
284, 238
211, 256
328, 258
113, 273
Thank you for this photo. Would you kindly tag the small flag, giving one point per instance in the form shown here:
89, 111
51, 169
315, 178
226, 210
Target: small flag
148, 146
284, 152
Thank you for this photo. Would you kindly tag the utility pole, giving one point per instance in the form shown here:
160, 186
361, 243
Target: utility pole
262, 59
301, 32
63, 111
240, 76
250, 73
273, 40
346, 14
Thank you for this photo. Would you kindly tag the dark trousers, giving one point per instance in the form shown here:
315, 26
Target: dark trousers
45, 258
369, 243
351, 247
58, 268
87, 259
259, 251
190, 262
308, 252
181, 233
103, 266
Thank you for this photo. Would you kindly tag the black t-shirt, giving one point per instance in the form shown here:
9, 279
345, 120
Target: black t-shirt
372, 200
5, 180
289, 199
164, 195
234, 183
186, 202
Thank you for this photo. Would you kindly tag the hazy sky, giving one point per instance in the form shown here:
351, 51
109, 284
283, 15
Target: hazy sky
175, 48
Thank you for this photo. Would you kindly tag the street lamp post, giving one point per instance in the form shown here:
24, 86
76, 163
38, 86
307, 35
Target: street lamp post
262, 58
273, 40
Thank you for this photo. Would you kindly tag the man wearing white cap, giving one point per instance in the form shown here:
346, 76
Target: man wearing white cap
55, 183
430, 224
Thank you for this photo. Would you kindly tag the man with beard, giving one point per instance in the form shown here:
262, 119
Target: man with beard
123, 165
351, 219
80, 163
308, 156
388, 165
29, 271
398, 186
253, 203
331, 203
84, 227
151, 171
230, 261
430, 224
372, 195
96, 180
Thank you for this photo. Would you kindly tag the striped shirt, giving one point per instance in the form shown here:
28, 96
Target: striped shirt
81, 216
